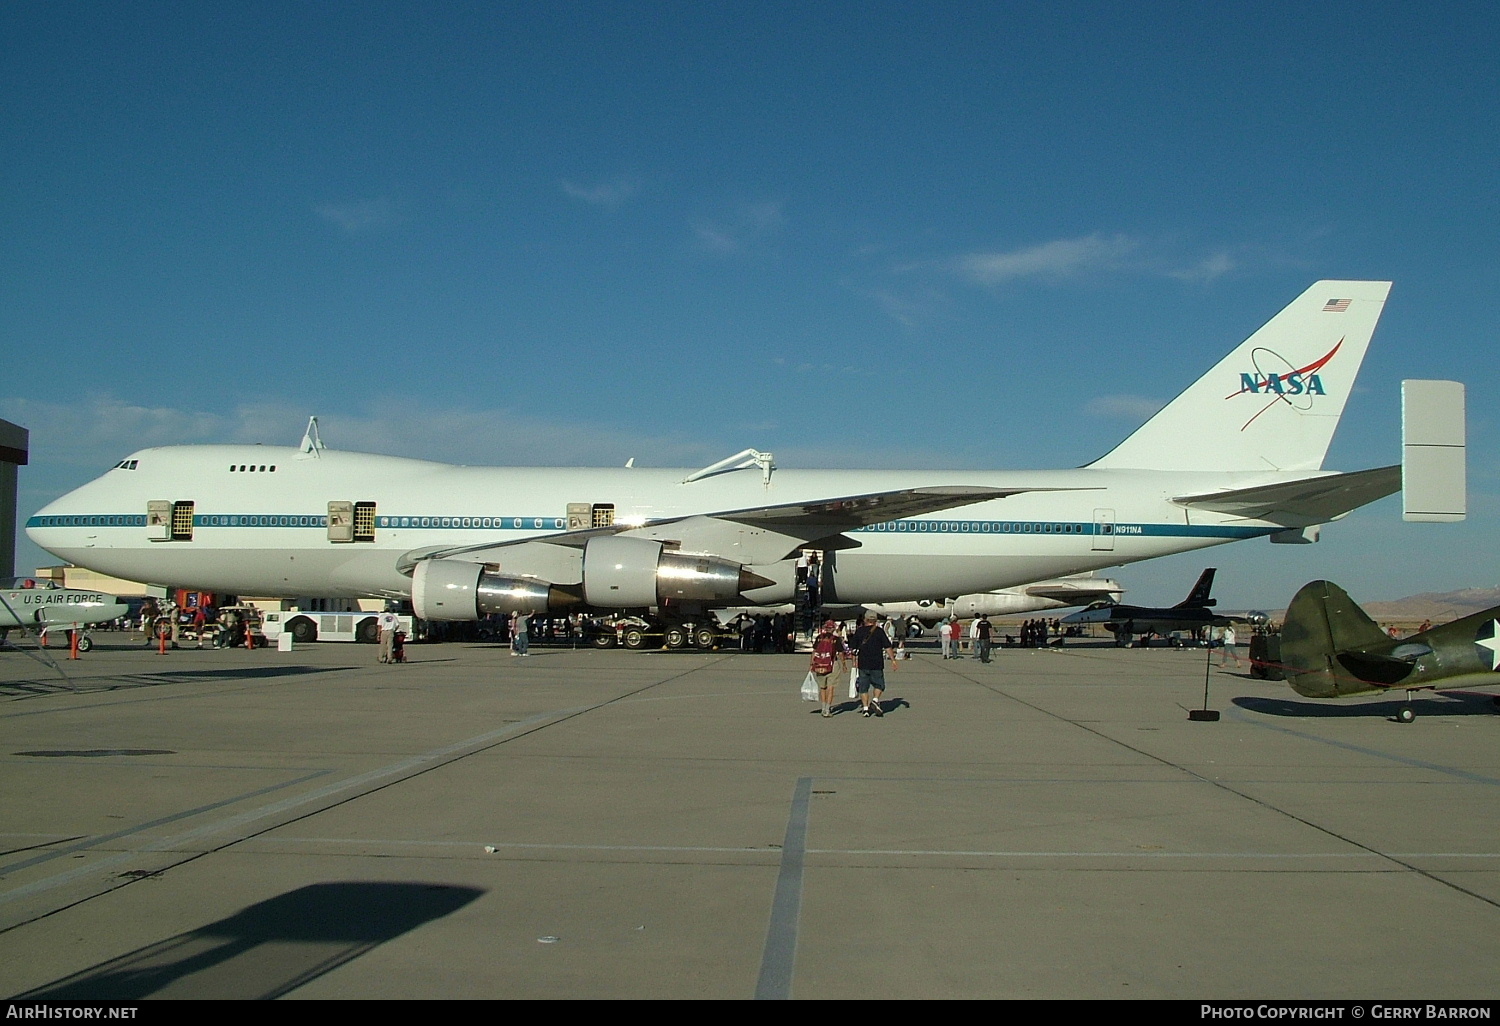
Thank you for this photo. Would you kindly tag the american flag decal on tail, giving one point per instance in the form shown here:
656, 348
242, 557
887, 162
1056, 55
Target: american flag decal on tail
1336, 306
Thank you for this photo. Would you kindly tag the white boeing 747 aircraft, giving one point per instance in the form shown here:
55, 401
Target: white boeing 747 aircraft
1237, 455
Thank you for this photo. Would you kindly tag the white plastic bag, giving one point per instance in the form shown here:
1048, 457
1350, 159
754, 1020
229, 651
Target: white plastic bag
810, 687
853, 680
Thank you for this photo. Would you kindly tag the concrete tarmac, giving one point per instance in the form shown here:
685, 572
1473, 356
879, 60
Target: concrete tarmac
609, 824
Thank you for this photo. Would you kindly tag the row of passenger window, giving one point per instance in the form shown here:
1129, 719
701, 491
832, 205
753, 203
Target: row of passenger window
537, 523
527, 523
117, 520
975, 527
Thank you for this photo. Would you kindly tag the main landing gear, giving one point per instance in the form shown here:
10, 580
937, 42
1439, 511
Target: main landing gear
1406, 714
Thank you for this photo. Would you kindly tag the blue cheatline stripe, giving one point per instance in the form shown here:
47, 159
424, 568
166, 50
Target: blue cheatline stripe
780, 955
1046, 528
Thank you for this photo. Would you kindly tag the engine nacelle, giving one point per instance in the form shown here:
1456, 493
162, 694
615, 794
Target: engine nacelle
621, 572
618, 573
455, 589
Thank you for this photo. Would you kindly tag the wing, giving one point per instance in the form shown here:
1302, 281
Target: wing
1313, 500
830, 516
757, 534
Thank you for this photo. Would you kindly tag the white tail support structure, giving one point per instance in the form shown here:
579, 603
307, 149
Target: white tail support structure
1272, 403
1433, 449
739, 461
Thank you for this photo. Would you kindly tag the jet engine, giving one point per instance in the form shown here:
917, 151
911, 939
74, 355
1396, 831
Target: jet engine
455, 589
619, 572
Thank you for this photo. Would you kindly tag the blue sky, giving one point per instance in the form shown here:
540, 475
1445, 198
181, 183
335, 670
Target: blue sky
897, 235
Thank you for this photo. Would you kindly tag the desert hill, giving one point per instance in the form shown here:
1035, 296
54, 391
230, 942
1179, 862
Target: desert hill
1439, 607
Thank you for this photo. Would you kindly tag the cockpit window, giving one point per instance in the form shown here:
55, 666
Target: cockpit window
126, 465
27, 583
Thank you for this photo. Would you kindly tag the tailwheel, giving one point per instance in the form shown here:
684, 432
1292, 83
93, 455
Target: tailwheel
1406, 714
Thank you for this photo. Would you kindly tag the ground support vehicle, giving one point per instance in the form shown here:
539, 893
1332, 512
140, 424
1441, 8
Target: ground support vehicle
306, 627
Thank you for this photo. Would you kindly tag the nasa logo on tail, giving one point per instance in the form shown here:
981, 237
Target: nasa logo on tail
1275, 377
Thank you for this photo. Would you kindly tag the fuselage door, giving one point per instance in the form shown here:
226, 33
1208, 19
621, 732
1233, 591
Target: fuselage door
159, 520
1104, 530
169, 521
340, 521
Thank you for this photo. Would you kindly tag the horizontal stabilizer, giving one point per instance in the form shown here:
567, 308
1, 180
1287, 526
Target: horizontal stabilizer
1312, 500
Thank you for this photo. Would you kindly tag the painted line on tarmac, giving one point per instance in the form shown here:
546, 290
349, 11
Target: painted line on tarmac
1240, 716
369, 842
779, 957
301, 806
362, 783
103, 839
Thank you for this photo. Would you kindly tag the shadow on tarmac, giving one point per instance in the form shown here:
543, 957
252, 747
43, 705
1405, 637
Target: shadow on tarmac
268, 949
1446, 703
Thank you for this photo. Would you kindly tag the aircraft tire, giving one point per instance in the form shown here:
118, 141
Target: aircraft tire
604, 639
634, 639
85, 643
1405, 714
705, 637
677, 637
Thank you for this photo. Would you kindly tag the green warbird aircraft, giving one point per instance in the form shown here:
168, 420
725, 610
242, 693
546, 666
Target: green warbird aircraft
1331, 648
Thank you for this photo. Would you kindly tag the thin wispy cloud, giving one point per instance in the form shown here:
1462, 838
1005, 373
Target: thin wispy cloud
748, 225
1138, 408
104, 428
1056, 259
910, 307
359, 216
1207, 269
604, 194
101, 425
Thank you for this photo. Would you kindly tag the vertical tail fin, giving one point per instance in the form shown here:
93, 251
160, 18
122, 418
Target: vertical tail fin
1199, 596
1321, 623
1272, 403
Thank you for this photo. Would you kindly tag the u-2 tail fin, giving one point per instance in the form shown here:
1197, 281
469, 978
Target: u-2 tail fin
1272, 403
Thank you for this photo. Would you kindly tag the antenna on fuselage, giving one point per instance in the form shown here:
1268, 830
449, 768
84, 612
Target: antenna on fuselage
312, 443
